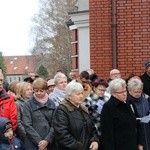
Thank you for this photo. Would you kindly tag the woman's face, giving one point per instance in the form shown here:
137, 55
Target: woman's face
136, 92
40, 93
77, 98
28, 92
62, 83
100, 90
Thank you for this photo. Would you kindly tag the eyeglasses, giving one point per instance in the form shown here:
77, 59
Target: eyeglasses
121, 92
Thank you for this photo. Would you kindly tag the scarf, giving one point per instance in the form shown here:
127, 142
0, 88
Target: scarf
43, 100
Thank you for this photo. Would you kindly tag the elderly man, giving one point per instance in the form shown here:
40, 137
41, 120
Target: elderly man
114, 74
146, 78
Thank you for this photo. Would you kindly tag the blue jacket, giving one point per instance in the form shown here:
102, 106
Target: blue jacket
6, 144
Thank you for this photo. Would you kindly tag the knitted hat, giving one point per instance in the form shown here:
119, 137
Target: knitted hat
147, 64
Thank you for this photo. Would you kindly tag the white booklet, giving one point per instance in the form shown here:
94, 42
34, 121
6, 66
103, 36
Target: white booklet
144, 119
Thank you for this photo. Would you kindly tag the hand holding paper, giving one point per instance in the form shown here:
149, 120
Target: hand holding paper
145, 119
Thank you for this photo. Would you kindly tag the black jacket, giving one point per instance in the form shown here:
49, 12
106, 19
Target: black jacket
73, 127
146, 80
119, 127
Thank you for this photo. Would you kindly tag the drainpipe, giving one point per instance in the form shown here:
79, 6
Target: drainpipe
114, 34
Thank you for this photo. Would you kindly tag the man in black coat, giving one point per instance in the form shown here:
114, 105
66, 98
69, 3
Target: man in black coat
146, 78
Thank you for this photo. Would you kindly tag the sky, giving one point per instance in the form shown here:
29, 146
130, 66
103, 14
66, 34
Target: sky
15, 21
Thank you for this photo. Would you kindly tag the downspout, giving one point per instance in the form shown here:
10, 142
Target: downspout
114, 34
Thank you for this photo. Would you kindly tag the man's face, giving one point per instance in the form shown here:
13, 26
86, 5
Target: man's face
115, 74
1, 83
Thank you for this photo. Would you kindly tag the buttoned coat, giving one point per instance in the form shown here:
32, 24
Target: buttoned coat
37, 120
73, 127
119, 128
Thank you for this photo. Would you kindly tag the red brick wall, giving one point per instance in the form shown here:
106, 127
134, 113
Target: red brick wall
133, 36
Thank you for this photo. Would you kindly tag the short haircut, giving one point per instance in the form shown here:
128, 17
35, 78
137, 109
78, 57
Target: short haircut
85, 75
58, 76
73, 87
134, 83
116, 84
40, 83
99, 81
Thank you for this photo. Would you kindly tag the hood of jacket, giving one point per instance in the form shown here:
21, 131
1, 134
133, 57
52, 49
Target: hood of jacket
3, 122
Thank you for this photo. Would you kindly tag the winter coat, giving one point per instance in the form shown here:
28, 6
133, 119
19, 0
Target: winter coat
120, 129
143, 107
146, 81
5, 143
8, 108
21, 133
94, 103
37, 120
73, 127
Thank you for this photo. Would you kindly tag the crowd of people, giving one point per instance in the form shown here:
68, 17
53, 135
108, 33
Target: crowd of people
84, 112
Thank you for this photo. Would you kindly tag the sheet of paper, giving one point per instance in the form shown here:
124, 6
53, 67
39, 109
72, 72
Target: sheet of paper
145, 119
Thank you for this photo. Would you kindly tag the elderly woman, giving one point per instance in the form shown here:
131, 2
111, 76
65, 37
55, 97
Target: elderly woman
120, 129
58, 93
96, 101
37, 118
135, 96
72, 123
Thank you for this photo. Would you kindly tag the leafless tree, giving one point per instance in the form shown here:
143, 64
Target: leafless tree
51, 35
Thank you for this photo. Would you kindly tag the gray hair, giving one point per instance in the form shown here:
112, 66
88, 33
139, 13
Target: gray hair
58, 76
73, 87
116, 84
135, 82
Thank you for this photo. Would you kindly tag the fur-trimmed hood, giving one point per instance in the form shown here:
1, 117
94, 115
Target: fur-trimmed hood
71, 107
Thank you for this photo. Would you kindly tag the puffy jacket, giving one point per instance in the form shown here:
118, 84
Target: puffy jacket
6, 144
8, 108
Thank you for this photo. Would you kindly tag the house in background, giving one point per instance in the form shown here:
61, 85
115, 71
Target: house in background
111, 34
18, 67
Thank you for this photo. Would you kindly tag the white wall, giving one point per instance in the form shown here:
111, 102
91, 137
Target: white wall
84, 50
81, 21
83, 5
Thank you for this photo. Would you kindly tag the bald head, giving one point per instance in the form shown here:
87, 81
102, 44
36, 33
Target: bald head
114, 74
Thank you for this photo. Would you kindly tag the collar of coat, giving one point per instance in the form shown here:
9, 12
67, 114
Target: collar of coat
71, 107
37, 105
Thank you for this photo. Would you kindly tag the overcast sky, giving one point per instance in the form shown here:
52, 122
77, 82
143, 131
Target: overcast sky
15, 19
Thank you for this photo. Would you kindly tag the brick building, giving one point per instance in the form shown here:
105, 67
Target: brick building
119, 36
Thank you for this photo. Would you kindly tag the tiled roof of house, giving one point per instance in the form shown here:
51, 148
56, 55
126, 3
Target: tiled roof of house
19, 65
